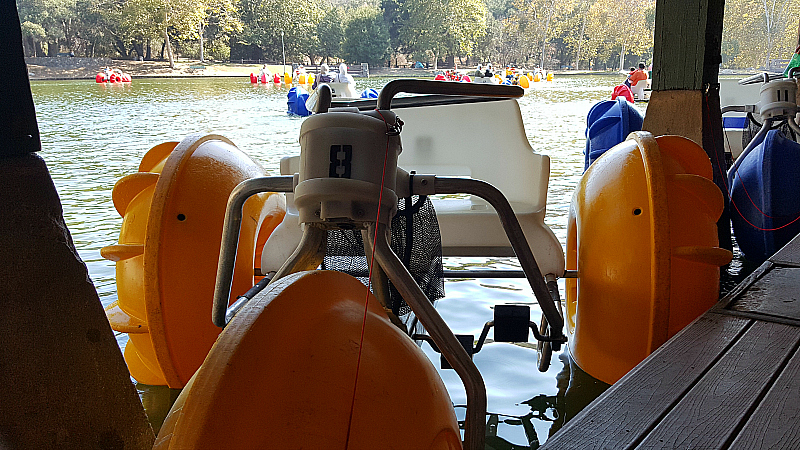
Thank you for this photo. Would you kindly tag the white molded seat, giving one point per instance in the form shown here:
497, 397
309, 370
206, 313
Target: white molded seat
485, 141
638, 90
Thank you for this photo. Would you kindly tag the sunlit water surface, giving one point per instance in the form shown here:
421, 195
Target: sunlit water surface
94, 134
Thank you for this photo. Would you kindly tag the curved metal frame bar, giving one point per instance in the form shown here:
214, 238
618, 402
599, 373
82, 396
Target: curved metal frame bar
230, 236
442, 335
484, 190
411, 86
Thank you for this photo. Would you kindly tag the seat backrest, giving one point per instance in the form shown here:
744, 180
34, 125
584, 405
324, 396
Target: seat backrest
639, 87
485, 141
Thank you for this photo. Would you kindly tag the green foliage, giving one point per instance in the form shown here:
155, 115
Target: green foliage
444, 27
761, 31
500, 9
395, 14
604, 33
330, 33
264, 22
366, 38
33, 30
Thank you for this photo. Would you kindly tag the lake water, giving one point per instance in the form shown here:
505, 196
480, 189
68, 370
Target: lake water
94, 134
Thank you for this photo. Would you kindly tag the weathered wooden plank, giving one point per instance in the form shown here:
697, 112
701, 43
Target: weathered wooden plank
740, 288
620, 417
777, 293
789, 254
679, 44
65, 384
773, 425
676, 112
708, 416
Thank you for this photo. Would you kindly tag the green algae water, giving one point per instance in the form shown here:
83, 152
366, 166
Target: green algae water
94, 134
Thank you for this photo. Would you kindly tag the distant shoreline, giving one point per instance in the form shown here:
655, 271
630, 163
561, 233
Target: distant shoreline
76, 68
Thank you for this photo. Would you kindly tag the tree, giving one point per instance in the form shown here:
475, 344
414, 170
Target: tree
32, 34
395, 15
609, 36
54, 17
330, 33
219, 16
759, 30
263, 22
444, 27
366, 38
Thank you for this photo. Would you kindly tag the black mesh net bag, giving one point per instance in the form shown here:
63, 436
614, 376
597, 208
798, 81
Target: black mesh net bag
753, 127
416, 241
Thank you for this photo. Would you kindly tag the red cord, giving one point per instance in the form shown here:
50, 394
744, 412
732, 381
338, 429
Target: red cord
727, 188
369, 284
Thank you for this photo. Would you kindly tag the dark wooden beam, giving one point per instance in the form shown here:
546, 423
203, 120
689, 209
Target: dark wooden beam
713, 136
679, 44
685, 98
19, 133
64, 381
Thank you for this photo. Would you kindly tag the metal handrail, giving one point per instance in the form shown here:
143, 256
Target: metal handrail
230, 236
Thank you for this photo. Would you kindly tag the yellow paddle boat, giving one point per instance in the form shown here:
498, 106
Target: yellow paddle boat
313, 358
172, 211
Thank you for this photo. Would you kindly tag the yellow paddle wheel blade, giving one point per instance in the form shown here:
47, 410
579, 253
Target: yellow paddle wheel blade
283, 374
168, 250
642, 235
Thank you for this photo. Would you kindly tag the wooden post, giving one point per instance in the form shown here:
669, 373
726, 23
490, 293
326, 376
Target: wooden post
685, 98
64, 382
19, 132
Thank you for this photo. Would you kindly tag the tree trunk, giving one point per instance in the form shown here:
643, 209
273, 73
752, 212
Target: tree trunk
544, 35
167, 44
622, 57
27, 46
149, 51
138, 47
163, 46
580, 40
202, 28
120, 46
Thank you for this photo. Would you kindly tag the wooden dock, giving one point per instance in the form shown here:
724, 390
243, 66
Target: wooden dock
730, 380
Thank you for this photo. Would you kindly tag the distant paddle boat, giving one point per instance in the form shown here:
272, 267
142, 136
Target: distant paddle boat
112, 76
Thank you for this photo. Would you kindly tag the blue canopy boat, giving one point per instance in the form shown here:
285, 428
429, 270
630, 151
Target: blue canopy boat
764, 192
608, 123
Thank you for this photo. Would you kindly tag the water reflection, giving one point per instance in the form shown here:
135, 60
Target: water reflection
157, 400
576, 389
